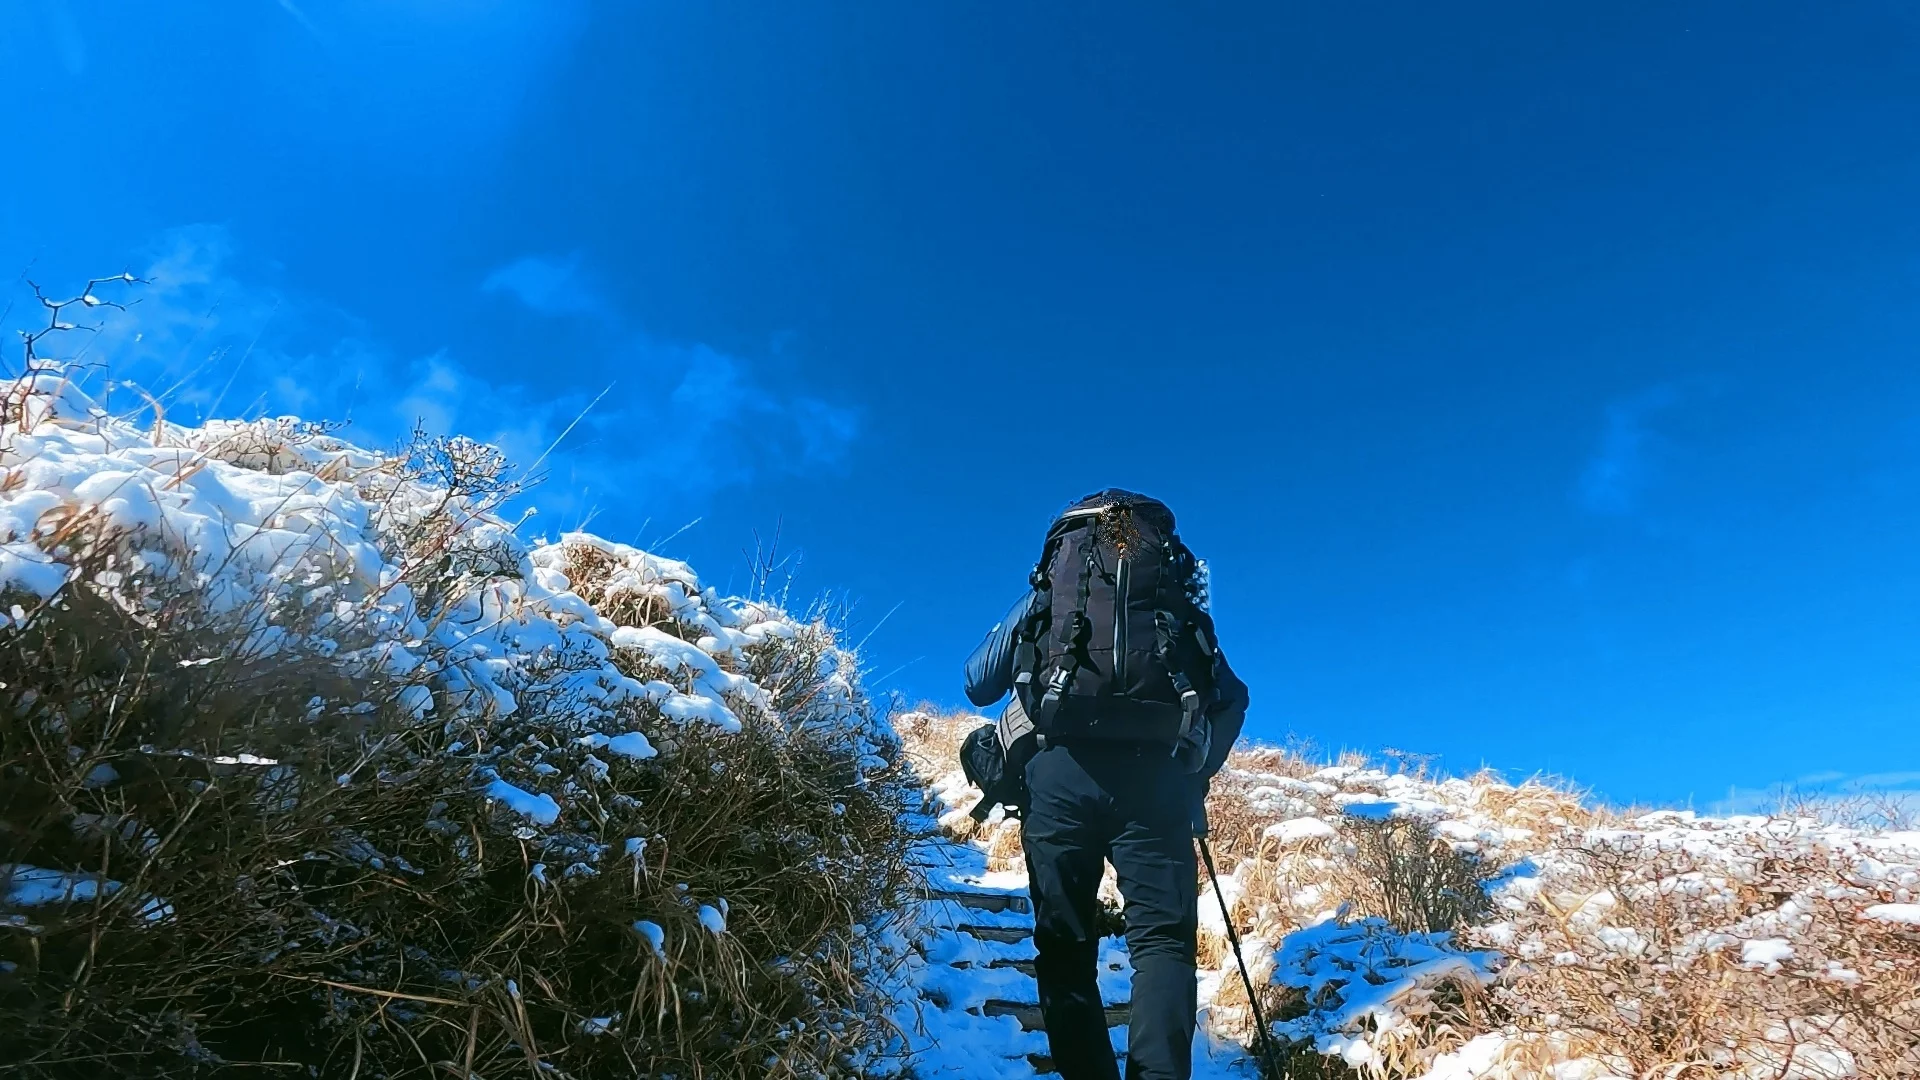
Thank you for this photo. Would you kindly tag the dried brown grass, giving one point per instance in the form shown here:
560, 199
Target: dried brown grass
1638, 955
361, 908
1629, 955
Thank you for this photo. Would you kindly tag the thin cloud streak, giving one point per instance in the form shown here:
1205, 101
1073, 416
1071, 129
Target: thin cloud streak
695, 422
1626, 462
1897, 791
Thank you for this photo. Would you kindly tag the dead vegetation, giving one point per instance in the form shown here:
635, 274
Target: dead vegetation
1631, 944
1756, 955
233, 841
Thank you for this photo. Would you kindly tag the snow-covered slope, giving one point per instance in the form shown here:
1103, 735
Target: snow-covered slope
1779, 947
1592, 944
544, 692
256, 515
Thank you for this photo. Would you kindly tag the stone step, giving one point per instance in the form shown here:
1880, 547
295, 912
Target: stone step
1043, 1063
1028, 1013
1024, 967
982, 901
1008, 935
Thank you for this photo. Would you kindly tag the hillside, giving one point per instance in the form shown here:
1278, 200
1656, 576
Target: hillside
314, 766
1411, 926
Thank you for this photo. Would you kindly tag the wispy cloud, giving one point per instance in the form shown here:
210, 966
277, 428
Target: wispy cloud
48, 28
682, 422
1627, 459
700, 416
548, 285
1891, 794
300, 17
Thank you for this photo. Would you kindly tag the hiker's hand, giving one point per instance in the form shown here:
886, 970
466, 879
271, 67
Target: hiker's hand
1198, 812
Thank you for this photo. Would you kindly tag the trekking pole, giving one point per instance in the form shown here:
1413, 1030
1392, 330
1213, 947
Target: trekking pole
1233, 938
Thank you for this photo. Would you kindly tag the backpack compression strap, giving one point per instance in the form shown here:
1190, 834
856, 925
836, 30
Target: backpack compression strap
1168, 630
1079, 634
1026, 639
1026, 650
1026, 642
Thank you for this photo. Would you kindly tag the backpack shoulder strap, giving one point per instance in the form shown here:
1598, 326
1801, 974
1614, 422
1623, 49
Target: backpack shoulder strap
1177, 618
1026, 648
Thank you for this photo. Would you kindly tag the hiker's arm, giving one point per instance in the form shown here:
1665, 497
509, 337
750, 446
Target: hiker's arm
990, 668
1228, 715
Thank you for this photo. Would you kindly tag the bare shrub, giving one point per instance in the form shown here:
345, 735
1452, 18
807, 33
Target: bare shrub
1414, 879
1748, 952
623, 597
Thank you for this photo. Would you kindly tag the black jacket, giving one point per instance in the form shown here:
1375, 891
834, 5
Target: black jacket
990, 678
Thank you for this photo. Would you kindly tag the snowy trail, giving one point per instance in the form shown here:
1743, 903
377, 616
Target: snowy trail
978, 1016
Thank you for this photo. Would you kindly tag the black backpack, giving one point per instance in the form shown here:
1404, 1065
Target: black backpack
1119, 646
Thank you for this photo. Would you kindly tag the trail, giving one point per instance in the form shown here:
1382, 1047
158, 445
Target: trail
977, 1013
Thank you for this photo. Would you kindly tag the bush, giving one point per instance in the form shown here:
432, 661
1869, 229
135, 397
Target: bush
358, 785
1412, 878
1754, 947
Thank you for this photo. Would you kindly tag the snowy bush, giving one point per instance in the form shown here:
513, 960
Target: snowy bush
1755, 947
306, 758
1582, 943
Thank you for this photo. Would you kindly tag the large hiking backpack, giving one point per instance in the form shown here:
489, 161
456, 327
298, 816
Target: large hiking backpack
1119, 646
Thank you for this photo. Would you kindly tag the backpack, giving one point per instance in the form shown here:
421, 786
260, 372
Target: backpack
1119, 645
994, 757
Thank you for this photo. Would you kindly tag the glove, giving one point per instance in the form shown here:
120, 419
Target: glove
1198, 811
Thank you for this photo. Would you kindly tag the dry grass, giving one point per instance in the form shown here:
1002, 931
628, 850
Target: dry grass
1751, 955
1624, 936
360, 907
931, 740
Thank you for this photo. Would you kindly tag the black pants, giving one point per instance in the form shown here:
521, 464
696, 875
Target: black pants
1091, 803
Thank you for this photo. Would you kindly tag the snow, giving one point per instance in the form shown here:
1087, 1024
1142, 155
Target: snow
315, 516
36, 886
599, 1025
653, 935
540, 809
1903, 914
1476, 1059
631, 744
1364, 973
945, 975
1370, 987
1212, 903
685, 707
33, 886
1299, 830
1766, 952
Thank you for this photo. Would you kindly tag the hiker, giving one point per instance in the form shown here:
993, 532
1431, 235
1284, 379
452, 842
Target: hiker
1123, 709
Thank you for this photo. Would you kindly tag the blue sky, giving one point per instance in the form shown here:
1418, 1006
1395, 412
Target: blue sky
1543, 382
